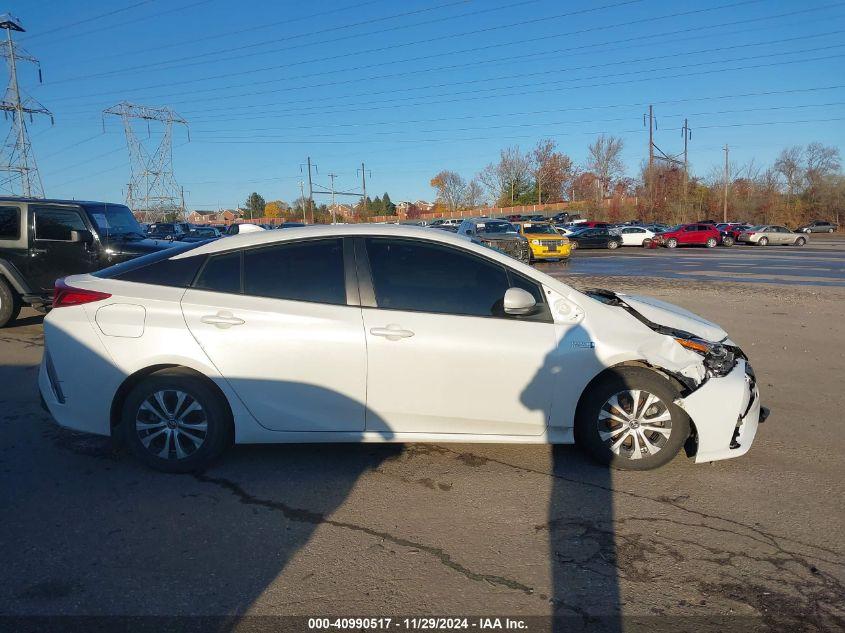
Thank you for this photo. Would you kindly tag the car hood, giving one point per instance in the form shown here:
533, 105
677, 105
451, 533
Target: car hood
499, 237
120, 249
676, 317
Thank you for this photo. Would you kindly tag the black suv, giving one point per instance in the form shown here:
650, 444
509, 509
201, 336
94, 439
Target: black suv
44, 240
497, 234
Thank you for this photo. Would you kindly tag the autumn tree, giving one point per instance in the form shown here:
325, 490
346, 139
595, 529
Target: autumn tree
553, 171
789, 165
510, 178
450, 187
275, 208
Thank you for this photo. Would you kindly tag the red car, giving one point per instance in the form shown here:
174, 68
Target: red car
690, 235
591, 225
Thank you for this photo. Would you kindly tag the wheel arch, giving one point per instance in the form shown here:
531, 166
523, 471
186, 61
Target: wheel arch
135, 378
679, 384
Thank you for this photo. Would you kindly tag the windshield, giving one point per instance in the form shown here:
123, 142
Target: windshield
113, 219
162, 229
539, 229
204, 232
758, 227
497, 227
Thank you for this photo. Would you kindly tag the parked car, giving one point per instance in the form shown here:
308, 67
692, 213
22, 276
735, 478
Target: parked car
592, 224
730, 232
498, 234
634, 235
544, 240
167, 231
764, 234
183, 353
594, 238
689, 235
202, 233
818, 226
42, 240
290, 225
243, 227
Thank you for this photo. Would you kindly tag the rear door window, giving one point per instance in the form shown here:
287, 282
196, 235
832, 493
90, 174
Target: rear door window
221, 273
310, 270
10, 223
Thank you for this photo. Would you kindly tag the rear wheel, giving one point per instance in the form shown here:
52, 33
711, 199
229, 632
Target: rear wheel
711, 243
573, 246
629, 421
10, 303
612, 244
176, 422
763, 241
830, 230
727, 241
800, 241
671, 243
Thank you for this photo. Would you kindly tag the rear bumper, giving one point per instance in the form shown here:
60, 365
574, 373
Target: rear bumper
726, 412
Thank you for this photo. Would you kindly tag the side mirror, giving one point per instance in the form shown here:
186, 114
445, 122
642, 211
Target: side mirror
519, 302
82, 235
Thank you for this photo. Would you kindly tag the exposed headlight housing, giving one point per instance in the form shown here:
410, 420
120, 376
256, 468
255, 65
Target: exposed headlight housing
718, 359
535, 242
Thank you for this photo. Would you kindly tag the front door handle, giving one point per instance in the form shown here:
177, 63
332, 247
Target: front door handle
223, 319
392, 332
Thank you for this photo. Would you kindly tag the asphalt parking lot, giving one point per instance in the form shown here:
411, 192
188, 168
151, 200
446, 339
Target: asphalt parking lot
755, 542
819, 263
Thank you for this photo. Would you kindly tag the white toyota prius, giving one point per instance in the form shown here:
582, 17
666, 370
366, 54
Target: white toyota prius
379, 333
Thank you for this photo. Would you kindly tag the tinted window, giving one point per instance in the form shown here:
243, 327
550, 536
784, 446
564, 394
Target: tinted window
56, 224
299, 271
10, 223
178, 273
432, 278
221, 273
118, 270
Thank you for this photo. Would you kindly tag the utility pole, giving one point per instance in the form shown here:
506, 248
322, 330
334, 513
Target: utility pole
310, 192
687, 132
302, 199
17, 160
364, 204
725, 199
334, 216
650, 170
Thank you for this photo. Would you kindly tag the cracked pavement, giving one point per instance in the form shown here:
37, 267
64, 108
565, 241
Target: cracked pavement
450, 529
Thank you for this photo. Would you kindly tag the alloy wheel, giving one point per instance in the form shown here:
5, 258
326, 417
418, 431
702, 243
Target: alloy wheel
634, 424
171, 424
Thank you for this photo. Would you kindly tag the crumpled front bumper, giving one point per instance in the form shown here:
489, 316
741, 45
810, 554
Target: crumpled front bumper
726, 412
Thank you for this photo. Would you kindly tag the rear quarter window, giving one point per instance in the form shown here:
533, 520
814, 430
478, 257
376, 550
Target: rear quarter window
10, 223
159, 268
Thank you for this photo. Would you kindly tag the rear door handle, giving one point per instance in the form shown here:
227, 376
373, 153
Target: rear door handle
392, 332
223, 319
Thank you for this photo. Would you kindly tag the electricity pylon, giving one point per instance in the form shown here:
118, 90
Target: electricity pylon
152, 189
18, 170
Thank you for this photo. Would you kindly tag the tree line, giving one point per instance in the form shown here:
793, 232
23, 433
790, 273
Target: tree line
803, 183
256, 206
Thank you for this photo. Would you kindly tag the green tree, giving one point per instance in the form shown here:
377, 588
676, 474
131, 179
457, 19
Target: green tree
255, 205
388, 207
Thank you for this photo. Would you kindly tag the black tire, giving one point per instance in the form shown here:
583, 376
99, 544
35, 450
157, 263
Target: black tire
573, 246
727, 241
671, 243
711, 242
218, 433
612, 244
10, 303
800, 241
763, 241
588, 424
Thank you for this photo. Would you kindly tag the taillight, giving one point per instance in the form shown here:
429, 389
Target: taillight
64, 295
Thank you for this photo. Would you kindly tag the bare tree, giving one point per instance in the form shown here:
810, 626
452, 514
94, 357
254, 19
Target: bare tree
822, 161
552, 171
509, 177
604, 160
789, 165
450, 187
473, 194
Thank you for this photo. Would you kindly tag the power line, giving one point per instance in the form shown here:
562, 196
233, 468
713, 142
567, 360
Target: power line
66, 26
217, 90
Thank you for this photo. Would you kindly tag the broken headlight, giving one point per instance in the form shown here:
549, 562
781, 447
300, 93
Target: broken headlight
718, 359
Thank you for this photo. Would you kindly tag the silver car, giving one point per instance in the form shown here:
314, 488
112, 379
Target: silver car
765, 234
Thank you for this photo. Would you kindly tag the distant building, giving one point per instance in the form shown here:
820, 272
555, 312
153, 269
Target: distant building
224, 216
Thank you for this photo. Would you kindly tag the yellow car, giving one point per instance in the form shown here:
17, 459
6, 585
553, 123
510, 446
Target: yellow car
545, 240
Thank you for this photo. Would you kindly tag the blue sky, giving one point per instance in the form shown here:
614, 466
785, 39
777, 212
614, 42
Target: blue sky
414, 87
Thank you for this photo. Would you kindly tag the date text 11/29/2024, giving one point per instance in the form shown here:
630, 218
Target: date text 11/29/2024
418, 623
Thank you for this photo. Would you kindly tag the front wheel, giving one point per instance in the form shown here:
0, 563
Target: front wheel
763, 241
671, 243
612, 244
800, 241
10, 304
573, 246
628, 420
176, 422
727, 241
711, 243
830, 230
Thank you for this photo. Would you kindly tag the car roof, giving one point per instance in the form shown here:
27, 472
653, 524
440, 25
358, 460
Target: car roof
55, 201
261, 238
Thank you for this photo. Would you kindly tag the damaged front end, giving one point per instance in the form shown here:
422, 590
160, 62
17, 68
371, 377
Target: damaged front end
720, 393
